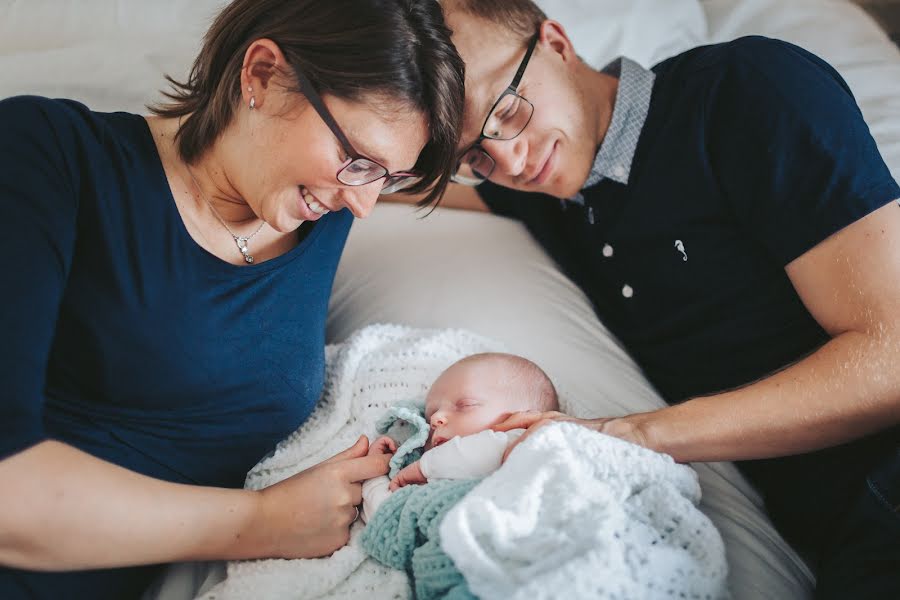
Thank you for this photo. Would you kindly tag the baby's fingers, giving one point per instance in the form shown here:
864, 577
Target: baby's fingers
383, 445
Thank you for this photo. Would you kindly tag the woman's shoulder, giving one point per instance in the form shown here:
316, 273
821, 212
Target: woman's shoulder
73, 138
38, 115
62, 122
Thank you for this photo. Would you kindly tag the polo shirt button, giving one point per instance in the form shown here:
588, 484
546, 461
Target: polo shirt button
627, 291
619, 171
607, 250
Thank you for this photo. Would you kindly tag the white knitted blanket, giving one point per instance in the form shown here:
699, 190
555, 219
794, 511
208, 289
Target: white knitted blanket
544, 523
375, 368
576, 514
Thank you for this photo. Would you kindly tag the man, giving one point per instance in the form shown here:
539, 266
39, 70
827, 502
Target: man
733, 223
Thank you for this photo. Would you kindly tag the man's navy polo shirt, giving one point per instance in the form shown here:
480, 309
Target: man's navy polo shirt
753, 152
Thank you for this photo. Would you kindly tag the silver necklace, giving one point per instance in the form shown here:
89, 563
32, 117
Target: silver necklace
240, 240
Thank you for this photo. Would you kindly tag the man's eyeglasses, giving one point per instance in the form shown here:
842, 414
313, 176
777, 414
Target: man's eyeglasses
357, 170
510, 115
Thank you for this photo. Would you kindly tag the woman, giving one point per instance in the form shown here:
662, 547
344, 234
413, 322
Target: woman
170, 280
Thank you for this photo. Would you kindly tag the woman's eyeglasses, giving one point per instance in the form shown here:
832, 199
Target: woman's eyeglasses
357, 170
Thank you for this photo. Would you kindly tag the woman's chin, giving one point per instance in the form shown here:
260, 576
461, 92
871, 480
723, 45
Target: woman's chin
285, 223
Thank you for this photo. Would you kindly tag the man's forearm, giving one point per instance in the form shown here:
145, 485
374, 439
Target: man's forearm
848, 388
63, 509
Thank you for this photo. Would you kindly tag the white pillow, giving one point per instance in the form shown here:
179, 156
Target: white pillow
112, 54
109, 54
646, 31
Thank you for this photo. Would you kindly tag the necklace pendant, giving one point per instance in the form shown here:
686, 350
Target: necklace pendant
242, 246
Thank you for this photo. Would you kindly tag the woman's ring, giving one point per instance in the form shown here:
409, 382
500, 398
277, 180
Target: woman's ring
356, 517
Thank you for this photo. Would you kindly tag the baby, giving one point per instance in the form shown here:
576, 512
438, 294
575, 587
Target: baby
464, 402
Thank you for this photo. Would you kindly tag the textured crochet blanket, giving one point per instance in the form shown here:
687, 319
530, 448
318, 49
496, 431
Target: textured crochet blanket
577, 514
376, 368
405, 535
571, 514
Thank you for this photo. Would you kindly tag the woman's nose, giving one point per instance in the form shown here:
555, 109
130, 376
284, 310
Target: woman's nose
361, 199
510, 156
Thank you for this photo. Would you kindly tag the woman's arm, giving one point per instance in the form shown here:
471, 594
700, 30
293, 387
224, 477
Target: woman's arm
63, 509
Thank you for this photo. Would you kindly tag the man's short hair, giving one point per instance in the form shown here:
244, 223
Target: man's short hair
522, 18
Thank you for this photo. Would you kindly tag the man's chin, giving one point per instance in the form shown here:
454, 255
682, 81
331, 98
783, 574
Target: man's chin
561, 188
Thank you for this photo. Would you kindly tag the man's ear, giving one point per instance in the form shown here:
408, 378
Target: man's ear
262, 62
553, 36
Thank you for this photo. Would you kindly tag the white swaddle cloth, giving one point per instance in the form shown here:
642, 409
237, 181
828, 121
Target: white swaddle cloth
577, 514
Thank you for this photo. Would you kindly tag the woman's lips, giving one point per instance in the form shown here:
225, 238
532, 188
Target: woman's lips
310, 205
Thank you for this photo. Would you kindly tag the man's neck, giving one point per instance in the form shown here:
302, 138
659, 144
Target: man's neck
600, 92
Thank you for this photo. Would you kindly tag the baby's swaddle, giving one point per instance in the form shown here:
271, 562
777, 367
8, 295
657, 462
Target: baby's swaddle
405, 534
404, 531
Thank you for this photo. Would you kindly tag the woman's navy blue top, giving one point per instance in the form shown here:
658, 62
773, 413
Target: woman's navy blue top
125, 338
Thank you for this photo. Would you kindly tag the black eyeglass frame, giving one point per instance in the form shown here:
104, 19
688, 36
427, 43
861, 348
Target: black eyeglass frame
308, 90
510, 90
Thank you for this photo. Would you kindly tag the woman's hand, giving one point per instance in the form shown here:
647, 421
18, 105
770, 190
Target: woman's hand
309, 515
627, 428
408, 475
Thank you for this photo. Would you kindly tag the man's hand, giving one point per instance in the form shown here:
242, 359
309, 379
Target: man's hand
627, 428
410, 474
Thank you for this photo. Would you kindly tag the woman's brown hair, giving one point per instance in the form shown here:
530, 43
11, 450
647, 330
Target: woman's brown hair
351, 49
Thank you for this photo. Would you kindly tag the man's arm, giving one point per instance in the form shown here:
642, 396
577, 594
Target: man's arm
457, 196
848, 388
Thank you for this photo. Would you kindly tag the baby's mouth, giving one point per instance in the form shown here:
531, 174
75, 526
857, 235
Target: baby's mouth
312, 202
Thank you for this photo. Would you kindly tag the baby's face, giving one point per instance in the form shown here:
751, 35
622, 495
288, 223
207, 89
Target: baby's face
469, 398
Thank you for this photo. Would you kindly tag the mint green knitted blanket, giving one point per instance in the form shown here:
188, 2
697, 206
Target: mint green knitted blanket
405, 534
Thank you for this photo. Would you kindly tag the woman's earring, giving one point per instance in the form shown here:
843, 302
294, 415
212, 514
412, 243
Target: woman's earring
252, 98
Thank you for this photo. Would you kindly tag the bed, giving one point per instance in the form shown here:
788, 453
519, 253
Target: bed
476, 271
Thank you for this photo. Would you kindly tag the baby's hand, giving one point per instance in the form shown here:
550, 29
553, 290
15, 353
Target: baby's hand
383, 445
410, 474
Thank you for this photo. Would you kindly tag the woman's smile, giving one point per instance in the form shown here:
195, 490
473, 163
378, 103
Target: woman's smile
313, 205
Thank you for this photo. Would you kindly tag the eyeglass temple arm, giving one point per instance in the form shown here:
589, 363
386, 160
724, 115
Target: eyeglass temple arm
524, 64
510, 89
312, 95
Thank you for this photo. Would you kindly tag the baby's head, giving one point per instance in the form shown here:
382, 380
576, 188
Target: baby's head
481, 390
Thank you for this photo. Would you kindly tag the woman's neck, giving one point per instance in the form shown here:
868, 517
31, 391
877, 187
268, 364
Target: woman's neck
206, 180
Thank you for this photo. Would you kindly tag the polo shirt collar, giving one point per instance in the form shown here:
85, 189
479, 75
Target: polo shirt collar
616, 154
